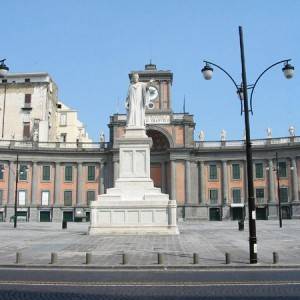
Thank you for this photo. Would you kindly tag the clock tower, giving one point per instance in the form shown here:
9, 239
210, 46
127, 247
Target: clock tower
160, 89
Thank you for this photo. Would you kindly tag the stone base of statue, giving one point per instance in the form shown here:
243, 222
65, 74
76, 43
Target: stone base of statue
134, 205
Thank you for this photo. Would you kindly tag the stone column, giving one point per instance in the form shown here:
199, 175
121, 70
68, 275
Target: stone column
173, 180
271, 182
34, 184
11, 182
79, 187
57, 184
202, 182
295, 186
116, 171
187, 179
224, 182
163, 177
101, 178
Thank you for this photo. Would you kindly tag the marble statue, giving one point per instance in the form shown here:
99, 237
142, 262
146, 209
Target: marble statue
102, 137
269, 133
292, 131
201, 136
223, 135
35, 135
137, 98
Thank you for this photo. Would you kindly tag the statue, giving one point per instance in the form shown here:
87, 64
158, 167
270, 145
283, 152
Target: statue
201, 136
102, 137
244, 134
269, 133
35, 135
137, 99
292, 131
223, 135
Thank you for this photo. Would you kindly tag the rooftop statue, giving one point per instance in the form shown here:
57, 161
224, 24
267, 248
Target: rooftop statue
292, 130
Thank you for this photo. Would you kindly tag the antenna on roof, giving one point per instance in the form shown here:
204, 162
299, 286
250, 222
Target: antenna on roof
184, 104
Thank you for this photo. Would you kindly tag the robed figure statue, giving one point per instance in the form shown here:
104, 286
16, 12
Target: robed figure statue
136, 101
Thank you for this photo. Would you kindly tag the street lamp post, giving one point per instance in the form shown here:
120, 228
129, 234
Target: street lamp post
242, 91
3, 72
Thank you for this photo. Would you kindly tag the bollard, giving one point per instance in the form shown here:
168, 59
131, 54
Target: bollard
241, 225
18, 257
64, 225
124, 259
227, 258
53, 258
88, 258
160, 258
275, 258
195, 258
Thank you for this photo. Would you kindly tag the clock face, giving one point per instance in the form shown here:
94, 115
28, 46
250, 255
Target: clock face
153, 93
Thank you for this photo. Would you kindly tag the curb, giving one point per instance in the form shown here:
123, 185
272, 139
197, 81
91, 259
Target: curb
152, 267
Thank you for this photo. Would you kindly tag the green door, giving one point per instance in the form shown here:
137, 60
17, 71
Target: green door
68, 216
261, 213
237, 213
215, 214
1, 216
45, 216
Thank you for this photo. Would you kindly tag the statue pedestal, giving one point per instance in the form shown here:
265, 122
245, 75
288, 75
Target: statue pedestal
134, 205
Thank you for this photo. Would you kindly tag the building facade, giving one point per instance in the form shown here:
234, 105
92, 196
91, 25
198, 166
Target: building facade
30, 110
207, 179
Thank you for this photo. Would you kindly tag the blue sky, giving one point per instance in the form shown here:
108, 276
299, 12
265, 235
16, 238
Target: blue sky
89, 47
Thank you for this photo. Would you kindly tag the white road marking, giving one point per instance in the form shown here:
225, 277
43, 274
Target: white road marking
149, 284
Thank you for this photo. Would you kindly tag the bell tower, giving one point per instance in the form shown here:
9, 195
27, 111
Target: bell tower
160, 90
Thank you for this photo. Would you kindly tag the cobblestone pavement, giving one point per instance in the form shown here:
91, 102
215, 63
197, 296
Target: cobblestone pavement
209, 239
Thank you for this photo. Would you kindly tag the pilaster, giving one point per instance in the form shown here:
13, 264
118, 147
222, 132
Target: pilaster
79, 187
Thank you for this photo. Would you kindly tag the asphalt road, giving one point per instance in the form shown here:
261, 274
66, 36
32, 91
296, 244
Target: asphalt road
76, 284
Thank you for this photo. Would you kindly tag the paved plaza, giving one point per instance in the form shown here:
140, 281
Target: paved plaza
209, 239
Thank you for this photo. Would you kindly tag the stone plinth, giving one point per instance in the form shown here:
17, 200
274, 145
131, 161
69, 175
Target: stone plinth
134, 205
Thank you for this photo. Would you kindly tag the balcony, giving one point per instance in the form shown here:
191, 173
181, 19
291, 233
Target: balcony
27, 107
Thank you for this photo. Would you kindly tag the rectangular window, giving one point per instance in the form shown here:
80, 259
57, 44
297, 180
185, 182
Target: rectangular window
22, 198
1, 197
46, 173
26, 130
68, 173
1, 172
213, 196
259, 171
284, 196
213, 172
63, 137
260, 195
27, 99
45, 198
236, 173
63, 119
27, 79
91, 173
282, 169
68, 198
236, 195
90, 196
23, 170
